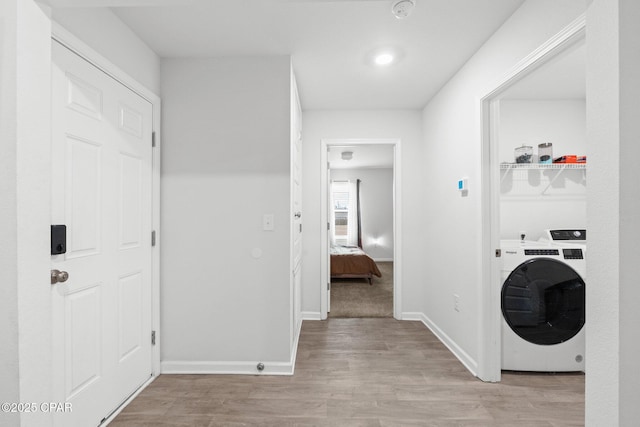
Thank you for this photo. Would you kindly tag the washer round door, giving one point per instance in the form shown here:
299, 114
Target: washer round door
543, 301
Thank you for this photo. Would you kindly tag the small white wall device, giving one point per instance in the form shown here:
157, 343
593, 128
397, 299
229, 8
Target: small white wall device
463, 184
268, 222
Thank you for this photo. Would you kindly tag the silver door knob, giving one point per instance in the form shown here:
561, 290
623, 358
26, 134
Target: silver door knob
58, 276
298, 214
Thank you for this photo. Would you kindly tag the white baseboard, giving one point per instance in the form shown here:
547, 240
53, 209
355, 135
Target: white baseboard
412, 316
458, 352
383, 259
234, 368
311, 315
222, 368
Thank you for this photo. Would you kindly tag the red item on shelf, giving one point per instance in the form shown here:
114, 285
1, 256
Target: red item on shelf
568, 158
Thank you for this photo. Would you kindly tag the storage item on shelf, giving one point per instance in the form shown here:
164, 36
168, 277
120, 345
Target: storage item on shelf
524, 154
567, 158
545, 153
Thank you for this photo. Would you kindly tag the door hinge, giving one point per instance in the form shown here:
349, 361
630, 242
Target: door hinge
153, 238
328, 226
153, 337
328, 286
153, 139
498, 253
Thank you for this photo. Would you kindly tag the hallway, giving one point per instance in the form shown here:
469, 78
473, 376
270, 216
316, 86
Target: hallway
362, 372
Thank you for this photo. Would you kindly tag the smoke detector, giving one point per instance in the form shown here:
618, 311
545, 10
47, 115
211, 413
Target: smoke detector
402, 8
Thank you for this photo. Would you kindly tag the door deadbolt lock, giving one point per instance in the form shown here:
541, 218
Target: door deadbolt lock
58, 276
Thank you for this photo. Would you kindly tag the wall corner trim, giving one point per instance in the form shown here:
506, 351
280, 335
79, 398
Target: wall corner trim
311, 315
566, 36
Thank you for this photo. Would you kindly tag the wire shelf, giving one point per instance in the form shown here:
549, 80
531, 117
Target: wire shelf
533, 166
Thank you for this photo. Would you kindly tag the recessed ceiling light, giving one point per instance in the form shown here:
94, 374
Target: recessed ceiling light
384, 58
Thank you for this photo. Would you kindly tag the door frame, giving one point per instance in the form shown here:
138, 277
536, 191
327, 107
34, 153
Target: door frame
71, 42
490, 337
397, 218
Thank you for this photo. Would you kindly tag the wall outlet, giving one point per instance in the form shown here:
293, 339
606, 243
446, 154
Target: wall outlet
268, 223
456, 302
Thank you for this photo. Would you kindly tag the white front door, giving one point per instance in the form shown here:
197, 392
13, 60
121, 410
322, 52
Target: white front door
101, 190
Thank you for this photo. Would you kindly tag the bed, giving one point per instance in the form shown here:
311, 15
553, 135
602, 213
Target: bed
350, 262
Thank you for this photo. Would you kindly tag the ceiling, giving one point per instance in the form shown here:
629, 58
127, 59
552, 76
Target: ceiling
364, 156
330, 41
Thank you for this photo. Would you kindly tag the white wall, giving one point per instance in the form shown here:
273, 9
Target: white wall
9, 354
452, 139
25, 87
613, 112
225, 164
376, 209
533, 121
402, 124
104, 32
527, 201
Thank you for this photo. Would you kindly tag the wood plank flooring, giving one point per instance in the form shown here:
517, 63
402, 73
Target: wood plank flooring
362, 373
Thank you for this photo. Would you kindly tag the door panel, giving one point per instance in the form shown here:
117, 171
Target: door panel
130, 321
130, 218
83, 190
83, 338
101, 189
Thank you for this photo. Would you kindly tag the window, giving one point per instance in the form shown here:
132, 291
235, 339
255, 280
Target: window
340, 196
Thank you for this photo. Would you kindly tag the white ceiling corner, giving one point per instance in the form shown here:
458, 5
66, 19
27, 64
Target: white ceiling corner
329, 41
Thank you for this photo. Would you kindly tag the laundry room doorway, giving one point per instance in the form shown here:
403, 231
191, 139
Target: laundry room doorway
533, 120
360, 265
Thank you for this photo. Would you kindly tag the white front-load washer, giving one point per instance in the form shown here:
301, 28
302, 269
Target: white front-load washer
543, 306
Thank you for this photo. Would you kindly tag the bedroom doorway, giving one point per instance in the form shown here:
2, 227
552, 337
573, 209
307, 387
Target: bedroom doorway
360, 200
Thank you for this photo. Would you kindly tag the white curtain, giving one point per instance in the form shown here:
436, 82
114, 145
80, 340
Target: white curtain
352, 229
332, 216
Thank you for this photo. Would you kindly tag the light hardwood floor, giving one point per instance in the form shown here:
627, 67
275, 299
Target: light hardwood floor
362, 372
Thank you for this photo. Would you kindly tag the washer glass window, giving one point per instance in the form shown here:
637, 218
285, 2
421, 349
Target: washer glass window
543, 301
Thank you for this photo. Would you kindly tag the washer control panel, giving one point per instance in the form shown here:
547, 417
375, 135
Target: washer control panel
539, 252
572, 253
572, 235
